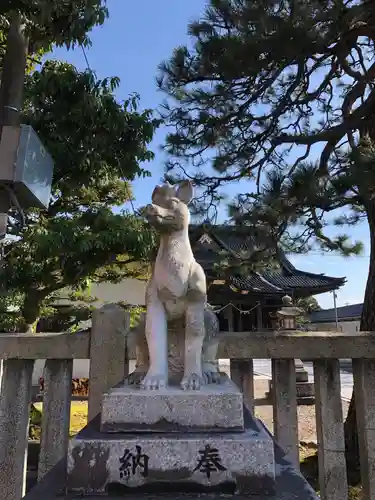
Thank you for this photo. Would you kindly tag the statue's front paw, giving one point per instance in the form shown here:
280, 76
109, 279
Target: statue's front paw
210, 373
192, 381
153, 382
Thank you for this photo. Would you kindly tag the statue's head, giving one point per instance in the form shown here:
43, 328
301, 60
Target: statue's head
169, 211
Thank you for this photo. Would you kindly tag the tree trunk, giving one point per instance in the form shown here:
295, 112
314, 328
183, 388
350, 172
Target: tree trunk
30, 314
367, 324
31, 311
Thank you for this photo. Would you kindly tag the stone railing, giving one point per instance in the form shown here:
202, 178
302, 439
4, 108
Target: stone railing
109, 352
105, 346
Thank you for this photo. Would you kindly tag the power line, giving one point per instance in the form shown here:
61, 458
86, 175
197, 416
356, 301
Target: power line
85, 56
89, 68
131, 201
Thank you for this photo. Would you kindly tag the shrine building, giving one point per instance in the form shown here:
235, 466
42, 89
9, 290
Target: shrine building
255, 294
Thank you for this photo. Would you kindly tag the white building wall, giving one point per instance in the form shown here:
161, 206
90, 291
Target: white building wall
131, 291
343, 326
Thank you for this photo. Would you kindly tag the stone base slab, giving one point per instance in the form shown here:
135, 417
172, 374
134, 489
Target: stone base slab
305, 392
216, 407
99, 463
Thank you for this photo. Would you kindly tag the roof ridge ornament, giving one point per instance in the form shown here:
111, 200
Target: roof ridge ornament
205, 239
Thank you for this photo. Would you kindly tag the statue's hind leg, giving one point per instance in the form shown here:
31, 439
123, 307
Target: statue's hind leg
194, 336
210, 361
210, 347
142, 358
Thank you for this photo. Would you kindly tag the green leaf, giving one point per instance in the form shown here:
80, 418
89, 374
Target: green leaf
99, 146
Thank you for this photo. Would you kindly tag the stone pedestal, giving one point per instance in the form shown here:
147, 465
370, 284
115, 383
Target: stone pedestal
305, 389
204, 439
216, 407
246, 459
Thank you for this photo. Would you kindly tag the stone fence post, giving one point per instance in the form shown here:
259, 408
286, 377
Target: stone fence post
14, 423
108, 353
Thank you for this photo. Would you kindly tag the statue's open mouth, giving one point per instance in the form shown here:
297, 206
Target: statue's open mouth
158, 218
150, 213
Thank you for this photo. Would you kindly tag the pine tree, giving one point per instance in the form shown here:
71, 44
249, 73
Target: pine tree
308, 304
279, 96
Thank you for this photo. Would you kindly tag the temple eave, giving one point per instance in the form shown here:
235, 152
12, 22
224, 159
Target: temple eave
279, 285
284, 278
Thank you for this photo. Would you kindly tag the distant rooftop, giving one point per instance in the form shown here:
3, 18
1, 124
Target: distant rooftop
344, 313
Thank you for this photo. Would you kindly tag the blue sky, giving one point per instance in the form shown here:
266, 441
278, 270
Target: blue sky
131, 44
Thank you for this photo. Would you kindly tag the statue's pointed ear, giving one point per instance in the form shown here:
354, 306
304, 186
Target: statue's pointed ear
185, 191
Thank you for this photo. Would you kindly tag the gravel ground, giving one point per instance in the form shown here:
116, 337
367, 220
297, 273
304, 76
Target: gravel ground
264, 409
306, 414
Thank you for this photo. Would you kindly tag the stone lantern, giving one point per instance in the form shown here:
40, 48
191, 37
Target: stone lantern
287, 319
288, 314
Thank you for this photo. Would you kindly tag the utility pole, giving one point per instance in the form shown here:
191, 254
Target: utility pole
11, 97
335, 306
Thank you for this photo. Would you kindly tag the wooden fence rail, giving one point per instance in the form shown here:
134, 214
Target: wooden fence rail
110, 345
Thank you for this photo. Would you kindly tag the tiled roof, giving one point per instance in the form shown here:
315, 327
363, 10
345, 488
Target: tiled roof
255, 283
234, 240
300, 279
277, 282
344, 313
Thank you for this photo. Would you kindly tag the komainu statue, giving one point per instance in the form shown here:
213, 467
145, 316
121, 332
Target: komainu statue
179, 341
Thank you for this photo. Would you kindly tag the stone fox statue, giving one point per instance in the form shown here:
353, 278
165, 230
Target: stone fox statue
176, 295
